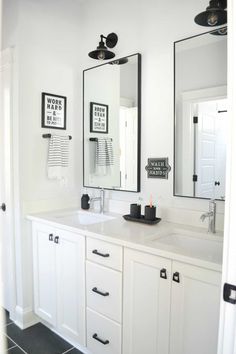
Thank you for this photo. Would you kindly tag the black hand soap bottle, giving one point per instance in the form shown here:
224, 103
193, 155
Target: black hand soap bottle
85, 202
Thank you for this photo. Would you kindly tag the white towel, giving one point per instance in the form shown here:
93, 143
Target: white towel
104, 156
58, 157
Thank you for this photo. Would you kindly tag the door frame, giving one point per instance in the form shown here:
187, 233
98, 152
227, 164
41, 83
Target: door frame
227, 329
12, 197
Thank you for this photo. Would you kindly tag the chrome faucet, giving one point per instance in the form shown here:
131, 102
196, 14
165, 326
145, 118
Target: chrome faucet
101, 199
211, 215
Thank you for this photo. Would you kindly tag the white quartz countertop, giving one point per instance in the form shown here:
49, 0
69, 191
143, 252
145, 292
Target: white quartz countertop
178, 242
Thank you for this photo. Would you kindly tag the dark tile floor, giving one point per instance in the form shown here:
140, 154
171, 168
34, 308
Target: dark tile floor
37, 339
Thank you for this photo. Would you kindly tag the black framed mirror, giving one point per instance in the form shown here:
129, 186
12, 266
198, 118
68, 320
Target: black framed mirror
200, 115
112, 125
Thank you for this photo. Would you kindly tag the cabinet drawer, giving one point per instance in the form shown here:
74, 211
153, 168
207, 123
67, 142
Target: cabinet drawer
104, 290
104, 253
103, 335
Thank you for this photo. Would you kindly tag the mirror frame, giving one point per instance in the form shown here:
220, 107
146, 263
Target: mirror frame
139, 83
174, 140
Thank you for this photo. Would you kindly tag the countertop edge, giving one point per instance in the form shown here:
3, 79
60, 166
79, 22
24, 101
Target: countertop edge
140, 247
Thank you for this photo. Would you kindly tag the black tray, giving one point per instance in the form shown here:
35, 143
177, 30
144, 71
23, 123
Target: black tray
142, 220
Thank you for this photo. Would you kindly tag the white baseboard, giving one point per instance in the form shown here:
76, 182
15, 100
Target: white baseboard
25, 318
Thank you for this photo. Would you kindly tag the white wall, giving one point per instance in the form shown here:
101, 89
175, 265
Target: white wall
128, 81
52, 39
102, 85
201, 63
46, 38
150, 27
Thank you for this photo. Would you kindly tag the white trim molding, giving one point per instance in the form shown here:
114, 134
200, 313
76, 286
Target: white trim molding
25, 317
7, 66
227, 330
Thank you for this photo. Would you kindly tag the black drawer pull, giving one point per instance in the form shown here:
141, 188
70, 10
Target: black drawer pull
101, 254
50, 237
163, 273
95, 290
176, 277
104, 342
56, 239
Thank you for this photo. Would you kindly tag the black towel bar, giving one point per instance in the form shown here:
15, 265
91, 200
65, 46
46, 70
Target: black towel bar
96, 139
45, 136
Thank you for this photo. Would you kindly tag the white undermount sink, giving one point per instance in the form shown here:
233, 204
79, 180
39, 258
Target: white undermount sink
80, 217
200, 245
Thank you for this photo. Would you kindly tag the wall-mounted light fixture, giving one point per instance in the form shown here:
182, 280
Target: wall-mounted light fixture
215, 14
102, 53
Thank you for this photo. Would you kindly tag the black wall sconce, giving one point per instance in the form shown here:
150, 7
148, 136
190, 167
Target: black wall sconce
102, 53
215, 14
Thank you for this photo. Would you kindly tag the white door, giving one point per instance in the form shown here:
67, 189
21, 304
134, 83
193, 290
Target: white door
206, 149
6, 176
70, 267
195, 303
210, 148
221, 143
44, 258
146, 303
128, 147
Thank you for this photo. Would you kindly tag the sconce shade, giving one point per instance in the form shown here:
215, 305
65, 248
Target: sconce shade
215, 14
119, 61
220, 32
102, 53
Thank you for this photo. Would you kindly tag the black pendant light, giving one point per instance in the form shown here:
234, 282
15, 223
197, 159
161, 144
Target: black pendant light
215, 14
102, 53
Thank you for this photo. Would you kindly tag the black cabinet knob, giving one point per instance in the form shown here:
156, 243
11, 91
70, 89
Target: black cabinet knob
56, 239
217, 183
50, 237
3, 207
163, 273
176, 277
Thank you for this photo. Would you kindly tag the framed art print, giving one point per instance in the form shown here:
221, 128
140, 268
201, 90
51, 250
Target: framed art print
53, 111
98, 118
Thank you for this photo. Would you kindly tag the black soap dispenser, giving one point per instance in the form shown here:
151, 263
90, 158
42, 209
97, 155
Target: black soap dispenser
85, 202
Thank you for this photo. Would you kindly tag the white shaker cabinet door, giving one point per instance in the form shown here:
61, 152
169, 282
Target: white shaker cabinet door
146, 303
70, 264
44, 258
195, 305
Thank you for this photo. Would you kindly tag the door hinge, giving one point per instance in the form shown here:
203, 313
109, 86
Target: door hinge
126, 124
229, 293
195, 178
195, 120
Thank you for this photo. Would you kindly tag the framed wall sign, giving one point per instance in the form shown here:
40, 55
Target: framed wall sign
158, 168
98, 118
53, 111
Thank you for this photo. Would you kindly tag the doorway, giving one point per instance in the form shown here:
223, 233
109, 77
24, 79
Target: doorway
7, 206
210, 139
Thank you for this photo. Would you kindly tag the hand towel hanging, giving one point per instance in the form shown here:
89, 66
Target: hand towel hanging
104, 156
58, 157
